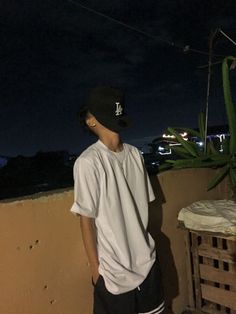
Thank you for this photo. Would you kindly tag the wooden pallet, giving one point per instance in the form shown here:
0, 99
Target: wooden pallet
212, 273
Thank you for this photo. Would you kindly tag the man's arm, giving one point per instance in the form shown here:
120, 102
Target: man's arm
90, 244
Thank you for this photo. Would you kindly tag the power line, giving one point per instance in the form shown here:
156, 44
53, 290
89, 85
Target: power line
230, 39
121, 23
185, 48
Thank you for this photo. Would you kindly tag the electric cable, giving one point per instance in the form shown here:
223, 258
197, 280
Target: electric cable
185, 48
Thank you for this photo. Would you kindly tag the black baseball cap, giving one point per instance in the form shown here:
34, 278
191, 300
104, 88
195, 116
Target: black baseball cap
106, 104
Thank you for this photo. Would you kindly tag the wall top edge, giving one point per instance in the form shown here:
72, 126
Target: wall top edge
41, 196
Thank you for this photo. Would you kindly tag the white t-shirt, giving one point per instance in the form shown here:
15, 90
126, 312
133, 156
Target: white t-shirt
116, 192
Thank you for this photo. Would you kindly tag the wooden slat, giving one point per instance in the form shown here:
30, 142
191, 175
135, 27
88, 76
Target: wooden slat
220, 245
189, 270
232, 249
196, 273
207, 240
217, 295
210, 309
216, 275
232, 267
215, 234
207, 251
231, 245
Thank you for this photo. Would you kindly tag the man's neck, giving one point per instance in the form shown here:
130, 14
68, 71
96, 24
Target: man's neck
112, 141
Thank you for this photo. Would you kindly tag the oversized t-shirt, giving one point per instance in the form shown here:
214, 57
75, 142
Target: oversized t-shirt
116, 192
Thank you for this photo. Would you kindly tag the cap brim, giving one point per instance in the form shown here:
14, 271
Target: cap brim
116, 124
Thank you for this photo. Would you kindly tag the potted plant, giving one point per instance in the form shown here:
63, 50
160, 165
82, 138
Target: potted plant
191, 156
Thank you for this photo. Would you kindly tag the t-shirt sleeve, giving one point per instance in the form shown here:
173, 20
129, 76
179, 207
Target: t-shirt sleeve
86, 189
150, 193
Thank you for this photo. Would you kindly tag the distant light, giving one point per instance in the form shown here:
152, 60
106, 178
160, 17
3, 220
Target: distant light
222, 137
183, 135
200, 143
164, 151
174, 144
168, 136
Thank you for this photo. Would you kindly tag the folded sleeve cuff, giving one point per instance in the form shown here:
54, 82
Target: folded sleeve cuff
77, 209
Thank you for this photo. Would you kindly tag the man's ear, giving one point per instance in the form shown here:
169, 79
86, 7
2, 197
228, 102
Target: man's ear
91, 121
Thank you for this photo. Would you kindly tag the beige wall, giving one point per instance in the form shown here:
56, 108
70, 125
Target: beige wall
43, 265
43, 268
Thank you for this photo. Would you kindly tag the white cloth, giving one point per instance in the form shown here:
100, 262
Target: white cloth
210, 215
116, 194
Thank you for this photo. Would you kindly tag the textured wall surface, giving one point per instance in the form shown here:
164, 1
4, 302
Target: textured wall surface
43, 266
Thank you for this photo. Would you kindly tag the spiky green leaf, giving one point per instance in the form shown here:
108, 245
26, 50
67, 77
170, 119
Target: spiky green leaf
164, 166
220, 157
225, 145
181, 151
232, 174
197, 163
184, 143
170, 161
219, 177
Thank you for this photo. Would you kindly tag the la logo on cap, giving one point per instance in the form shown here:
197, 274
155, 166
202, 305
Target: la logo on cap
119, 109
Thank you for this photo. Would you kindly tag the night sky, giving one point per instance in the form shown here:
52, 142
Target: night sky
52, 52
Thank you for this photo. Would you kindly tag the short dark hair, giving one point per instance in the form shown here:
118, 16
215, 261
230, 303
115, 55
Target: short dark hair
83, 115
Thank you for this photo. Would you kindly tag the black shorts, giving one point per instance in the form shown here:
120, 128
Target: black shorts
148, 298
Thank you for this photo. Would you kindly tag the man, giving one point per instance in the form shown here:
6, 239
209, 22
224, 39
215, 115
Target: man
112, 192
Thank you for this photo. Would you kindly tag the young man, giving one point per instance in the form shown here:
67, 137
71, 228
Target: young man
112, 192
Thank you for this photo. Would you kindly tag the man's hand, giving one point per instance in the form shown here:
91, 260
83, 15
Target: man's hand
95, 275
90, 244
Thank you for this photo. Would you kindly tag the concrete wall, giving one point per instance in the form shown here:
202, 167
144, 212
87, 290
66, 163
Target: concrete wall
43, 266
